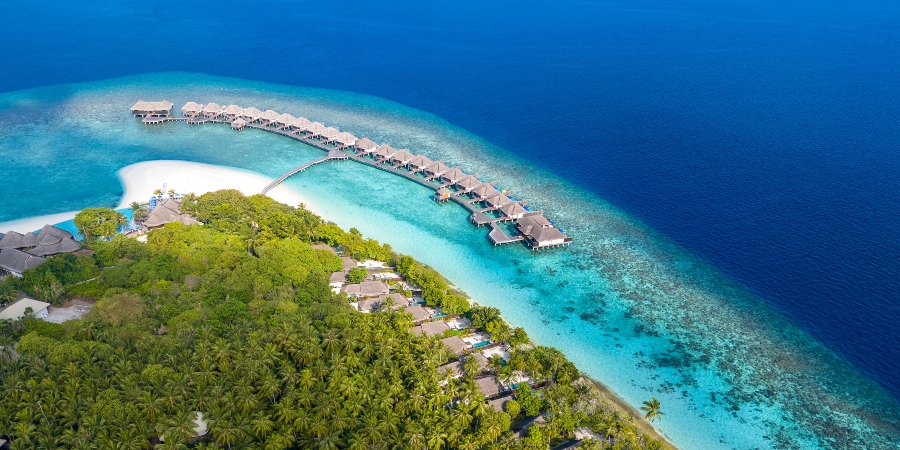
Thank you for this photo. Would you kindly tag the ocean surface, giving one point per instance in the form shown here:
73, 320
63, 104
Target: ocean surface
729, 170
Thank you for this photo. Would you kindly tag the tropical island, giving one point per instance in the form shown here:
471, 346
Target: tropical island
241, 322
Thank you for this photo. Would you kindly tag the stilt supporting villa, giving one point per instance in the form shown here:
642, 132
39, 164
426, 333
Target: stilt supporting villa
488, 206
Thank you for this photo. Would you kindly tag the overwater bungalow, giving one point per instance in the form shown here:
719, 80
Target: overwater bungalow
365, 146
497, 201
300, 124
540, 233
238, 124
468, 183
232, 112
453, 175
345, 139
442, 195
152, 109
269, 117
385, 152
435, 169
484, 191
401, 158
328, 134
418, 163
513, 210
284, 120
191, 109
251, 114
212, 110
315, 129
14, 262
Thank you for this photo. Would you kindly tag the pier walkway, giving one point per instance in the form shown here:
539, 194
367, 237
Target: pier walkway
497, 235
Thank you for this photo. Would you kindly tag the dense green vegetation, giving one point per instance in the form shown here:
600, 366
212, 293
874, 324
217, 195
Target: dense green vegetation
95, 223
236, 319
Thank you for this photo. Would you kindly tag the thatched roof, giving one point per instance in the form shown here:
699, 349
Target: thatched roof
431, 328
436, 168
330, 133
467, 183
367, 289
366, 145
168, 210
402, 156
348, 263
538, 229
251, 114
18, 240
453, 175
191, 107
489, 386
142, 106
456, 344
378, 303
513, 209
53, 241
419, 161
385, 151
269, 115
345, 138
338, 277
315, 128
485, 190
213, 108
457, 368
418, 312
499, 404
233, 110
300, 123
238, 123
286, 119
17, 261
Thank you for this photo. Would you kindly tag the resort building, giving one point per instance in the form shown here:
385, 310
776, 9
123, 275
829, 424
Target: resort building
499, 404
418, 163
337, 279
379, 303
401, 158
540, 233
167, 210
431, 328
328, 134
212, 110
238, 124
456, 344
251, 114
484, 191
419, 313
269, 117
14, 262
385, 152
191, 109
367, 289
497, 201
152, 109
315, 129
467, 183
18, 240
53, 241
489, 386
348, 263
457, 369
365, 146
285, 120
232, 112
442, 195
300, 124
435, 169
453, 175
345, 139
513, 210
16, 311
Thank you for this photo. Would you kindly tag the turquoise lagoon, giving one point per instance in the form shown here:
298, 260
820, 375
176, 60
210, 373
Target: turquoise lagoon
630, 308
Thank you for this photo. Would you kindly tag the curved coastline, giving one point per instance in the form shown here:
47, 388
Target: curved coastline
629, 308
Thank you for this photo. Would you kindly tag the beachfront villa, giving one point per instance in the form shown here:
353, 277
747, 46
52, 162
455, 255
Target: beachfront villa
16, 310
449, 184
367, 289
167, 210
15, 262
489, 386
20, 252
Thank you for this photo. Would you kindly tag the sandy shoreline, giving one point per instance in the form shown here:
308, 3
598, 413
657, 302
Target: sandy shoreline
141, 179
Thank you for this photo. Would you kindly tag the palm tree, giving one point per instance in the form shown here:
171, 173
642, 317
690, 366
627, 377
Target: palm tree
651, 409
158, 192
171, 193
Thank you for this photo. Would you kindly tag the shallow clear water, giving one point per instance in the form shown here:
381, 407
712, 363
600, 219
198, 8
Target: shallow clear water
627, 306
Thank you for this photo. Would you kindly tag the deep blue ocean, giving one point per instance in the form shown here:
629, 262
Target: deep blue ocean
761, 136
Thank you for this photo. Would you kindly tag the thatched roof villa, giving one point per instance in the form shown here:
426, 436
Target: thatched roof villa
232, 112
213, 110
540, 233
418, 162
152, 109
167, 210
365, 146
191, 109
251, 114
345, 139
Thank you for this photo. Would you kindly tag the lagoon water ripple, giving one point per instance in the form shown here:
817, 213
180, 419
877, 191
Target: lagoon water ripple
630, 308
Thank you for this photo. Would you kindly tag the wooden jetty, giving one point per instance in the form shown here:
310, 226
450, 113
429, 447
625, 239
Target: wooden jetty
480, 199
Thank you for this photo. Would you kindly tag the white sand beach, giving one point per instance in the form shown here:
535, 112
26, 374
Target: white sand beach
141, 179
